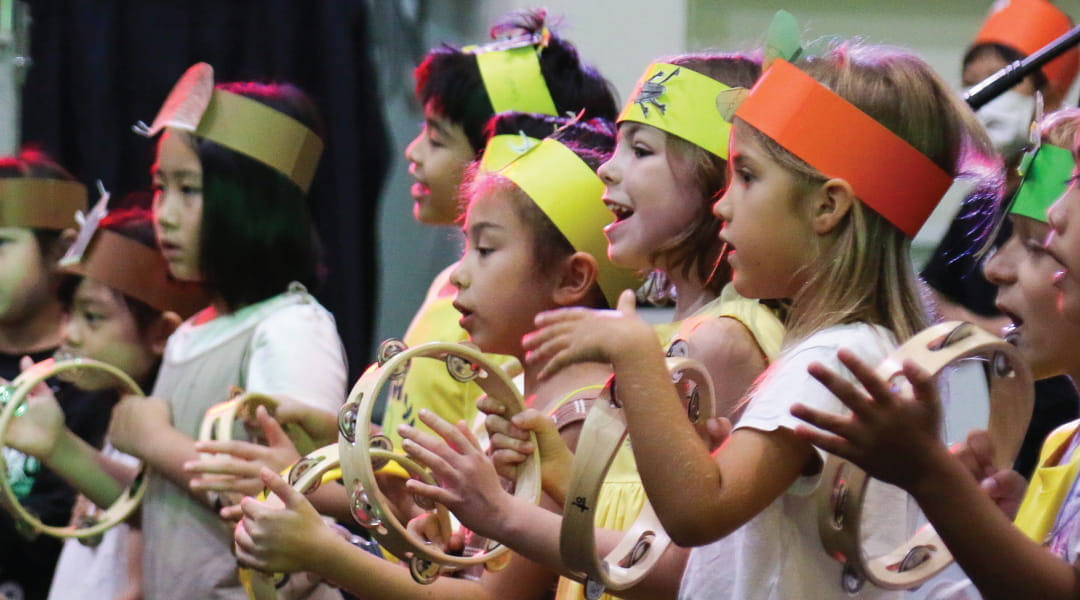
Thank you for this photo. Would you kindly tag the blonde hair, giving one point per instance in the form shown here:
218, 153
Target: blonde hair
1062, 128
865, 273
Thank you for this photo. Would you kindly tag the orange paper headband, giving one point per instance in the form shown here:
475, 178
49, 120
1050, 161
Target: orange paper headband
37, 203
1028, 25
136, 270
833, 136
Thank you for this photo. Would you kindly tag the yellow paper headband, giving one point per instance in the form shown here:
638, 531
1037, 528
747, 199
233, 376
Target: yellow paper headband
512, 77
570, 194
503, 149
684, 103
37, 203
239, 123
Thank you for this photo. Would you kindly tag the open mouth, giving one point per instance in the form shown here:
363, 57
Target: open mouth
621, 211
1011, 332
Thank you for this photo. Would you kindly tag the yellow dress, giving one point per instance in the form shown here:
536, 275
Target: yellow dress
622, 494
1049, 485
427, 383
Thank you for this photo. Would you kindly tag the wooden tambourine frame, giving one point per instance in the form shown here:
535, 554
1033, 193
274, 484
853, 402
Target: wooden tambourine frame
362, 456
305, 476
600, 439
843, 485
22, 387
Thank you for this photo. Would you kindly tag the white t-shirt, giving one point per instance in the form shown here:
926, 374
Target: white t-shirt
778, 555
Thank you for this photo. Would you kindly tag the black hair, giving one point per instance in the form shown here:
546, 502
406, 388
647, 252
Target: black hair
34, 162
257, 233
449, 79
136, 224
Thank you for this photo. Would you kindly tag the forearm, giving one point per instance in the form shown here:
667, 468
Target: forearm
998, 557
86, 469
166, 454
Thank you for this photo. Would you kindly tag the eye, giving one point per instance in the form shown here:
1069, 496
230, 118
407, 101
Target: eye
744, 175
190, 190
484, 250
92, 318
641, 151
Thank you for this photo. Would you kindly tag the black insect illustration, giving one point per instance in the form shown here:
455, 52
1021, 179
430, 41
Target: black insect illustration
651, 91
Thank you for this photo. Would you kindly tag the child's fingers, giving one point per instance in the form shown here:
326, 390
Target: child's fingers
981, 449
829, 443
238, 448
275, 434
453, 435
501, 426
549, 317
490, 406
222, 465
233, 512
504, 443
431, 492
627, 303
842, 426
844, 390
880, 391
922, 381
289, 496
428, 458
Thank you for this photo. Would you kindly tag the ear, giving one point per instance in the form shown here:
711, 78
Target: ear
578, 276
832, 202
159, 330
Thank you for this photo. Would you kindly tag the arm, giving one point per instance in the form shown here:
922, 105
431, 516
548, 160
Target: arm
895, 438
732, 357
293, 538
470, 488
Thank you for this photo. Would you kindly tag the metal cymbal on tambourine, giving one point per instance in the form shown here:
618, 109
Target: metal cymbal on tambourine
362, 454
843, 485
20, 391
600, 439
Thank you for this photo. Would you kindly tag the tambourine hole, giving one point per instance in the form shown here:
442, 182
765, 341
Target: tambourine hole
1001, 365
838, 501
347, 416
424, 502
851, 580
460, 369
298, 469
639, 551
678, 349
915, 557
693, 407
362, 510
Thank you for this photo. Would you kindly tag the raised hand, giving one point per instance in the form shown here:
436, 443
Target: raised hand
37, 431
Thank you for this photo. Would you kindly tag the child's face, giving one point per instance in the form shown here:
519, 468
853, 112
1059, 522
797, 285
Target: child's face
651, 204
437, 159
500, 288
770, 239
100, 326
178, 204
1064, 245
1024, 273
25, 279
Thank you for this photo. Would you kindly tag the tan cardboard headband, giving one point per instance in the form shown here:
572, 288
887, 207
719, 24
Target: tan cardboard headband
136, 270
40, 203
239, 123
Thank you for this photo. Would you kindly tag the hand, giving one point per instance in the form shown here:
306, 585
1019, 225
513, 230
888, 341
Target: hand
511, 447
37, 431
468, 484
232, 467
427, 527
574, 335
135, 420
890, 434
1004, 486
284, 534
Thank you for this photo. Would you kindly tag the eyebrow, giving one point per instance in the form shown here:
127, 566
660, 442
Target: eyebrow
476, 229
179, 173
437, 125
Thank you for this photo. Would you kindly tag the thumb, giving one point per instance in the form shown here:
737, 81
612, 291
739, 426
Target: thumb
275, 435
291, 498
533, 420
627, 304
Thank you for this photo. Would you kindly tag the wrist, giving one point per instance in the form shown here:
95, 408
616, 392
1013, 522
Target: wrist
936, 476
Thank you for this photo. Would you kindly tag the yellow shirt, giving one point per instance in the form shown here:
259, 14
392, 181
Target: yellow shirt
1049, 485
622, 495
427, 384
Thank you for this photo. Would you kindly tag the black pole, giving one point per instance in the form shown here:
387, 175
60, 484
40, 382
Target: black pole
994, 85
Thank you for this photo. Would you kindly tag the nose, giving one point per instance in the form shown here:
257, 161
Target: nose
459, 277
412, 153
165, 210
722, 207
609, 172
72, 335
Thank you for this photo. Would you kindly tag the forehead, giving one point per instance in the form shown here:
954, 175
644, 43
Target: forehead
176, 155
492, 204
93, 291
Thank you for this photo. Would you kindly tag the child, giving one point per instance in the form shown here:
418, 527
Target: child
230, 213
121, 307
460, 89
517, 262
814, 218
38, 203
1003, 561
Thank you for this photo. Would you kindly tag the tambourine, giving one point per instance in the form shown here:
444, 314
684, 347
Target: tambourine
601, 437
20, 390
363, 454
305, 476
843, 485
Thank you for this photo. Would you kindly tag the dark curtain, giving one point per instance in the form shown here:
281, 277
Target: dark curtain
100, 65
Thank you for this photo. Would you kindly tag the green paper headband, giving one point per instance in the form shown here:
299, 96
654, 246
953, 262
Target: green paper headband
239, 123
1046, 176
686, 104
512, 77
38, 203
570, 194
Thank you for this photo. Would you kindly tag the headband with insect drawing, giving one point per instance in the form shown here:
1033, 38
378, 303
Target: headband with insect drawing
128, 266
38, 203
686, 104
570, 194
510, 70
832, 135
239, 123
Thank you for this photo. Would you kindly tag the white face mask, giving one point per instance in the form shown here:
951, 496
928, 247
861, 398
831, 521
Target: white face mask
1007, 120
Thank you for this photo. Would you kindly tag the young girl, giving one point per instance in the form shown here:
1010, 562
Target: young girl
534, 71
526, 234
230, 213
817, 219
38, 203
1038, 293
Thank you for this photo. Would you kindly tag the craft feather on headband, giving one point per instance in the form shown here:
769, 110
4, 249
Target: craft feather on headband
572, 200
239, 123
128, 266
